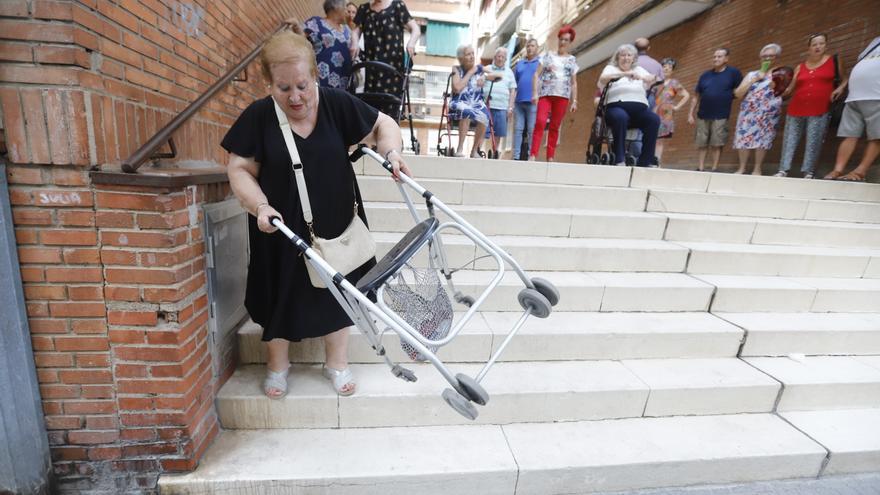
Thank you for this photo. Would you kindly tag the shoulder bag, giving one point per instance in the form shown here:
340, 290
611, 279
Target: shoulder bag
837, 105
344, 253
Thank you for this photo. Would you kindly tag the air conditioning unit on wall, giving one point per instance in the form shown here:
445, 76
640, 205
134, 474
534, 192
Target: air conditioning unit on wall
525, 22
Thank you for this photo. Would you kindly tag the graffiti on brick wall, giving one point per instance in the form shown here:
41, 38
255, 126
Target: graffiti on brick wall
189, 17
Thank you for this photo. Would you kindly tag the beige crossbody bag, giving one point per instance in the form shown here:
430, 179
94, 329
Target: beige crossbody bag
344, 253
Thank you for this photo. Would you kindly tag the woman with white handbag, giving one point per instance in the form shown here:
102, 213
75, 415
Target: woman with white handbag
289, 159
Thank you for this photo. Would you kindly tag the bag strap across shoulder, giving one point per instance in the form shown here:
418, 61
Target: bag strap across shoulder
296, 164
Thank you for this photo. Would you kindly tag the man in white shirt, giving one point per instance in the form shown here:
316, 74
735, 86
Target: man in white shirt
500, 96
861, 115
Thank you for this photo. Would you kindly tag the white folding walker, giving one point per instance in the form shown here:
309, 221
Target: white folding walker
412, 302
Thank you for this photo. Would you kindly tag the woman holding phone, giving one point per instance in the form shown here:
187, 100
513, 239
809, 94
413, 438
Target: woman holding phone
759, 111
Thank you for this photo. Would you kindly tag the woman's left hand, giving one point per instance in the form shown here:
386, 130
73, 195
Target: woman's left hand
411, 50
398, 165
574, 106
836, 94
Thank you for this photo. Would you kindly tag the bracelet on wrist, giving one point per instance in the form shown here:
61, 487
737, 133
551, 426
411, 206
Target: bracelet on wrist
388, 153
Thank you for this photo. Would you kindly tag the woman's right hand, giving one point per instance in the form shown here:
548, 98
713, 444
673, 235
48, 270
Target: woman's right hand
264, 213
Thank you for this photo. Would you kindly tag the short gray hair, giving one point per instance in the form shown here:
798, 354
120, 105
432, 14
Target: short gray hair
331, 5
776, 48
626, 47
459, 52
501, 49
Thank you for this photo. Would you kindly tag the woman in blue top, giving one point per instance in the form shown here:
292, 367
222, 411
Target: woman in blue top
467, 104
330, 38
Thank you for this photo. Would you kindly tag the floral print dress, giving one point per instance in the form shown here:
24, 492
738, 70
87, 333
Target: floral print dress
331, 52
759, 115
469, 103
665, 107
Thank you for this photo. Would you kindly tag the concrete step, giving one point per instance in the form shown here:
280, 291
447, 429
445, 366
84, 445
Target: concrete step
565, 336
748, 185
544, 459
598, 291
754, 294
563, 254
781, 334
750, 230
520, 194
762, 207
824, 382
434, 167
631, 454
852, 437
794, 261
521, 392
530, 221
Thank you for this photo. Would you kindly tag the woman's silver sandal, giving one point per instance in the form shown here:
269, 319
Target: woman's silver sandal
339, 379
276, 380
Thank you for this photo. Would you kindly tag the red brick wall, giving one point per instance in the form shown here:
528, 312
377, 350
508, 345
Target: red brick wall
114, 275
744, 26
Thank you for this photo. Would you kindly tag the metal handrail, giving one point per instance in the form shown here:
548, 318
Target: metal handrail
147, 150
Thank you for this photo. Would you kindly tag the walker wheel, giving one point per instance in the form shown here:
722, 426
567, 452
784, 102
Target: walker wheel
605, 159
404, 374
612, 158
473, 390
593, 159
534, 301
466, 300
630, 160
460, 404
417, 148
547, 289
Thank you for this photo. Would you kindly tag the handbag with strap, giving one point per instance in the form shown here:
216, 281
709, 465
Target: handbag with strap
354, 247
837, 105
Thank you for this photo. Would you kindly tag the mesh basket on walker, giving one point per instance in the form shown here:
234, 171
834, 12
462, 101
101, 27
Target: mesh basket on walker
418, 297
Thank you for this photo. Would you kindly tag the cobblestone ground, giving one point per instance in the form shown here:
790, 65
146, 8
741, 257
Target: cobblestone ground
868, 484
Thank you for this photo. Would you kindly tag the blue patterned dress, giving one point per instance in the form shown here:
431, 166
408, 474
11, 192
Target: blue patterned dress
758, 118
331, 52
469, 103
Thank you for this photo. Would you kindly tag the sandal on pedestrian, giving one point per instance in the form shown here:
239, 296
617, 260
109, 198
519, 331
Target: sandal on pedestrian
339, 379
853, 177
276, 380
833, 175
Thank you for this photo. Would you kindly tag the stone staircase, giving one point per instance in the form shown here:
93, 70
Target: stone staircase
712, 329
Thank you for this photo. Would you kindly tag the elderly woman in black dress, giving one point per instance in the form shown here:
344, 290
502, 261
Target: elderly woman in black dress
325, 123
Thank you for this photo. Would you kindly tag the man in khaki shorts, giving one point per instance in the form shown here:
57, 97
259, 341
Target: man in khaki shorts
714, 95
861, 115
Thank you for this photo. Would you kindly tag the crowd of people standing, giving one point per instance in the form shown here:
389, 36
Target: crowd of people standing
641, 101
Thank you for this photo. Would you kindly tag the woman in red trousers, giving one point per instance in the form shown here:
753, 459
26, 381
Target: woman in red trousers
554, 89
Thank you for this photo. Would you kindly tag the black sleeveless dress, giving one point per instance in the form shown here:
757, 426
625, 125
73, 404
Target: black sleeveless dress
279, 296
